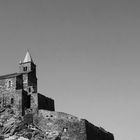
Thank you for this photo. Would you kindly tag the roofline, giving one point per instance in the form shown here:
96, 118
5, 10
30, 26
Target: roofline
9, 76
27, 62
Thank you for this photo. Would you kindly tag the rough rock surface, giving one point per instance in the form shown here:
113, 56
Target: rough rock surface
45, 125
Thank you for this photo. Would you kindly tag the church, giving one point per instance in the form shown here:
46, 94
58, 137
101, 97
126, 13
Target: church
19, 93
19, 90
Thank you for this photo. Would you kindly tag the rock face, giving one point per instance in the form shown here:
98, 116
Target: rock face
58, 124
47, 125
43, 125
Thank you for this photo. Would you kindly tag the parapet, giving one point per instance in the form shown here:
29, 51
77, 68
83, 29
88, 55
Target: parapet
45, 103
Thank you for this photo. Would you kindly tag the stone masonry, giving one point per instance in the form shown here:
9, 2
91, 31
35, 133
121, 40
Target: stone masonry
27, 114
19, 90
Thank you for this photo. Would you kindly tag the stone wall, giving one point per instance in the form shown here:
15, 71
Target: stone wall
60, 124
8, 85
7, 92
97, 133
45, 103
69, 127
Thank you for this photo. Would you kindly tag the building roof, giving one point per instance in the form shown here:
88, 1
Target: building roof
28, 58
9, 75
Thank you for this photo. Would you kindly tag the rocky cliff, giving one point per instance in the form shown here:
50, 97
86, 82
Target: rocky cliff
43, 125
47, 125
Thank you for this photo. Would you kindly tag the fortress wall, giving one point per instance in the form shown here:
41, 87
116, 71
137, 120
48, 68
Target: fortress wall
58, 123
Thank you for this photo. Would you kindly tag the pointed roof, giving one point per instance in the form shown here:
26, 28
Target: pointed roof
28, 57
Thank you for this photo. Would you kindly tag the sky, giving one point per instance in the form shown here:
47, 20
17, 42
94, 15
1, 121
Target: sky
87, 54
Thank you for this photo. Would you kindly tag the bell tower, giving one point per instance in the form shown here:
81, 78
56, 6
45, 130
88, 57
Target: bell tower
28, 70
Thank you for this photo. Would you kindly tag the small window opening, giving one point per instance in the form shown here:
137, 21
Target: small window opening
12, 100
9, 84
29, 89
24, 68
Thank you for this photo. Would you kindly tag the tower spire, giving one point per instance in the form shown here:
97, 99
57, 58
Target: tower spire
28, 57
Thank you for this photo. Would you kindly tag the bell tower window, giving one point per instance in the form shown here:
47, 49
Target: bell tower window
25, 68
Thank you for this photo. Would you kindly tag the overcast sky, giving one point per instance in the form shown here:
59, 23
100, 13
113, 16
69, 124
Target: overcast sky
87, 54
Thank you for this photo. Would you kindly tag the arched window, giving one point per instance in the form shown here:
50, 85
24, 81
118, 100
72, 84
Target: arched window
9, 84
